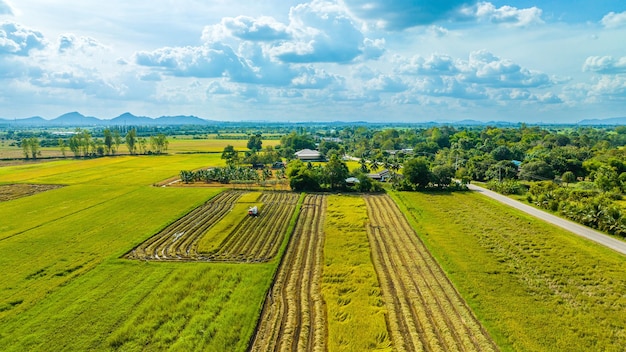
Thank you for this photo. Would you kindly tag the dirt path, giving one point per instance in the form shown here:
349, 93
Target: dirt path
580, 230
426, 313
294, 314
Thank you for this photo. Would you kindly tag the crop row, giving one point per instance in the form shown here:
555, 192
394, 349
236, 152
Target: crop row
258, 238
178, 240
426, 313
294, 315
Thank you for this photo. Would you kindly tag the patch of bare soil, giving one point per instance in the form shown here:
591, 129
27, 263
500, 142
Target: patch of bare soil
15, 191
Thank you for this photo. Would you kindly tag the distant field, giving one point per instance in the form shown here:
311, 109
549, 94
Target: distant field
534, 286
177, 144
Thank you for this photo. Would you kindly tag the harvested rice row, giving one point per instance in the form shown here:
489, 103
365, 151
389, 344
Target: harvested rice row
293, 316
430, 313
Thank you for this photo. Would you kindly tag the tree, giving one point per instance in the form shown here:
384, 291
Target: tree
301, 178
230, 155
335, 173
255, 143
502, 170
159, 143
117, 140
108, 141
62, 146
536, 170
25, 147
441, 175
568, 177
363, 165
417, 172
131, 141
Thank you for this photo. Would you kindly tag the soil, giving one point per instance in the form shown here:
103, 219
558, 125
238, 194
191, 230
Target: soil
15, 191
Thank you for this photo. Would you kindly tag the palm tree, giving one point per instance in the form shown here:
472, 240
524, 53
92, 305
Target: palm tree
374, 165
363, 164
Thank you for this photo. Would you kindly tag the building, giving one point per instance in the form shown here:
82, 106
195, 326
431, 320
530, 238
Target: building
308, 155
382, 176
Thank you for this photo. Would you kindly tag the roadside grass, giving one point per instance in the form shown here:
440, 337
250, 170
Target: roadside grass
356, 311
213, 238
533, 285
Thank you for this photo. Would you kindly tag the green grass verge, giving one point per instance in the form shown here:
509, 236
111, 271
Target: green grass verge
356, 310
534, 286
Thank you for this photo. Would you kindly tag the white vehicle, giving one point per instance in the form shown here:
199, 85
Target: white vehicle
253, 211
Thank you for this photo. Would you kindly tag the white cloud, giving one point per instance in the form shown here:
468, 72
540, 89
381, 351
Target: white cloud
322, 32
482, 67
486, 11
72, 43
5, 8
609, 87
16, 39
605, 64
312, 78
614, 20
208, 61
246, 28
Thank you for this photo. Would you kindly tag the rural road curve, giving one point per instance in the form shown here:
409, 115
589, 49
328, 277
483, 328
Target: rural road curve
578, 229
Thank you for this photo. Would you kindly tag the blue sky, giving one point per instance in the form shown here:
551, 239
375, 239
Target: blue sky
285, 60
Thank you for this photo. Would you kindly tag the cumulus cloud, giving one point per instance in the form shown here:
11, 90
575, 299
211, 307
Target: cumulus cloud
322, 32
609, 87
313, 78
5, 8
482, 67
386, 84
71, 42
208, 61
486, 11
486, 68
614, 20
18, 40
246, 28
605, 64
399, 14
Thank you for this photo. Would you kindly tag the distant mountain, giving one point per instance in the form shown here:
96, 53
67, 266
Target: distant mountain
610, 121
181, 120
30, 121
128, 119
74, 119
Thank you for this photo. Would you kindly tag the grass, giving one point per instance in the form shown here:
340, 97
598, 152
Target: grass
533, 285
356, 311
66, 288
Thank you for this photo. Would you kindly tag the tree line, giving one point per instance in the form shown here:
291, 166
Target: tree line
83, 144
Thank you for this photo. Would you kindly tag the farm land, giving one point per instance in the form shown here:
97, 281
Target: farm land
110, 262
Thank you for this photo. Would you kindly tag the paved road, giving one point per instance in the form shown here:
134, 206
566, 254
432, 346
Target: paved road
578, 229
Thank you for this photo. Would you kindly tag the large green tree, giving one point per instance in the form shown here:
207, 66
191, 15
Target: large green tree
255, 143
230, 155
335, 173
417, 172
131, 141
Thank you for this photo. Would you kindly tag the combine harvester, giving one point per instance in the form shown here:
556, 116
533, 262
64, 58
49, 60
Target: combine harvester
253, 211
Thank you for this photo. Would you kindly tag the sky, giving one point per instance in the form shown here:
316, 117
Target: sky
344, 60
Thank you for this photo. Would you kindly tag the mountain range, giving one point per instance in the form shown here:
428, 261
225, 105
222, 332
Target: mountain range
76, 119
